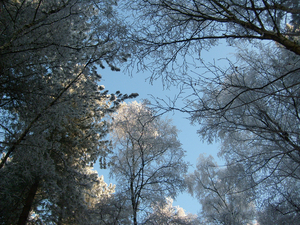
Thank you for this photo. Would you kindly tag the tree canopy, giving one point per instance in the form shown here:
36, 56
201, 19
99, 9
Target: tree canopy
148, 163
52, 107
56, 114
251, 105
224, 194
168, 33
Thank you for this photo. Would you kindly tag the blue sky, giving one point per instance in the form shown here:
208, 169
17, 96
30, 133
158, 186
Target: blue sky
191, 142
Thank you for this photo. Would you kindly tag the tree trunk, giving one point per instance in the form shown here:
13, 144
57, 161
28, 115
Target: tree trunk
134, 210
28, 203
134, 217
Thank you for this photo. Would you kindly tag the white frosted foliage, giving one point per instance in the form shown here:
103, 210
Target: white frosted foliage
52, 108
148, 161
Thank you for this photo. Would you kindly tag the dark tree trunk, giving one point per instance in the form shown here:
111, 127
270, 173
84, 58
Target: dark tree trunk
134, 217
28, 203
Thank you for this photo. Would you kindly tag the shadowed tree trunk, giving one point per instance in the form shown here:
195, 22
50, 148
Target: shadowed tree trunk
28, 203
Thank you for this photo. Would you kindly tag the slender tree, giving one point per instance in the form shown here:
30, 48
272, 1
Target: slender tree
148, 160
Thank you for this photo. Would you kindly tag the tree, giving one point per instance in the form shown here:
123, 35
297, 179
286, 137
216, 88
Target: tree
170, 33
252, 105
148, 161
52, 108
54, 156
223, 193
167, 214
37, 64
253, 111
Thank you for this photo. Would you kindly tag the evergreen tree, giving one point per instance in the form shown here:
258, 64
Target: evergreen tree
52, 107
